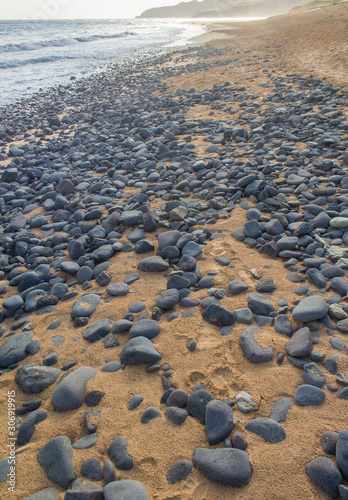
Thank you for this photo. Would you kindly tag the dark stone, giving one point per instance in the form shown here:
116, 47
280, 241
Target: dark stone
28, 425
118, 454
32, 378
197, 404
228, 466
324, 473
127, 489
270, 430
218, 421
179, 471
139, 350
69, 393
56, 458
218, 315
251, 349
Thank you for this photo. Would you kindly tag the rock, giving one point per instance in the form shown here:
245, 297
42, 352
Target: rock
300, 344
197, 404
149, 414
56, 458
266, 285
153, 265
282, 325
237, 286
313, 375
339, 285
14, 349
109, 472
179, 471
85, 306
92, 469
117, 289
93, 398
134, 402
127, 489
168, 298
76, 249
280, 409
243, 315
86, 442
118, 454
176, 415
84, 490
307, 395
13, 303
270, 430
45, 494
342, 453
5, 469
324, 473
139, 350
239, 441
146, 328
28, 425
69, 393
251, 349
328, 442
260, 304
33, 378
97, 330
245, 402
228, 466
218, 421
310, 309
218, 315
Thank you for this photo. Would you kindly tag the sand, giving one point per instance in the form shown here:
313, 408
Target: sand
308, 41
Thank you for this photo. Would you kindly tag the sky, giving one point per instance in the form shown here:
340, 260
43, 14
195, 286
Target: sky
77, 9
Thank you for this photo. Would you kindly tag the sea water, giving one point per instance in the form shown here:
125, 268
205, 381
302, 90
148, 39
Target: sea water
40, 54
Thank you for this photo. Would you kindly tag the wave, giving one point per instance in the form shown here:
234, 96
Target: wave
59, 42
38, 60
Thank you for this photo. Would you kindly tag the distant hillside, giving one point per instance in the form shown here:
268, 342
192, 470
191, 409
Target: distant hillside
225, 8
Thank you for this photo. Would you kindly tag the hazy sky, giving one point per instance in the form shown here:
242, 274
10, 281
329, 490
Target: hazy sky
77, 9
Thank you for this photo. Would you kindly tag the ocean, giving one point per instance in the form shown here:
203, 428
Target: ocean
42, 54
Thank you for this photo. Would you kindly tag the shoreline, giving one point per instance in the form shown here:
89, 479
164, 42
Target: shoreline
219, 149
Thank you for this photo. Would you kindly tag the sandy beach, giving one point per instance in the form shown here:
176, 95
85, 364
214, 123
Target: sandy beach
235, 77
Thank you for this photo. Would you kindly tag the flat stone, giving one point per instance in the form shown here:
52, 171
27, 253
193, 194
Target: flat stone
218, 315
280, 409
260, 304
14, 349
85, 490
139, 350
127, 489
245, 402
270, 430
300, 344
69, 393
33, 379
117, 289
56, 458
228, 466
251, 349
153, 264
342, 453
145, 328
307, 395
197, 404
324, 473
179, 471
97, 330
45, 494
218, 421
310, 309
85, 306
28, 426
237, 286
118, 454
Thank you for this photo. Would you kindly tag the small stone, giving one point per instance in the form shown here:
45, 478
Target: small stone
307, 395
118, 454
324, 473
179, 471
270, 430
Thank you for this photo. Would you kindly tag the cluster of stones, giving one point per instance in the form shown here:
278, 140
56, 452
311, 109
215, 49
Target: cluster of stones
141, 139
